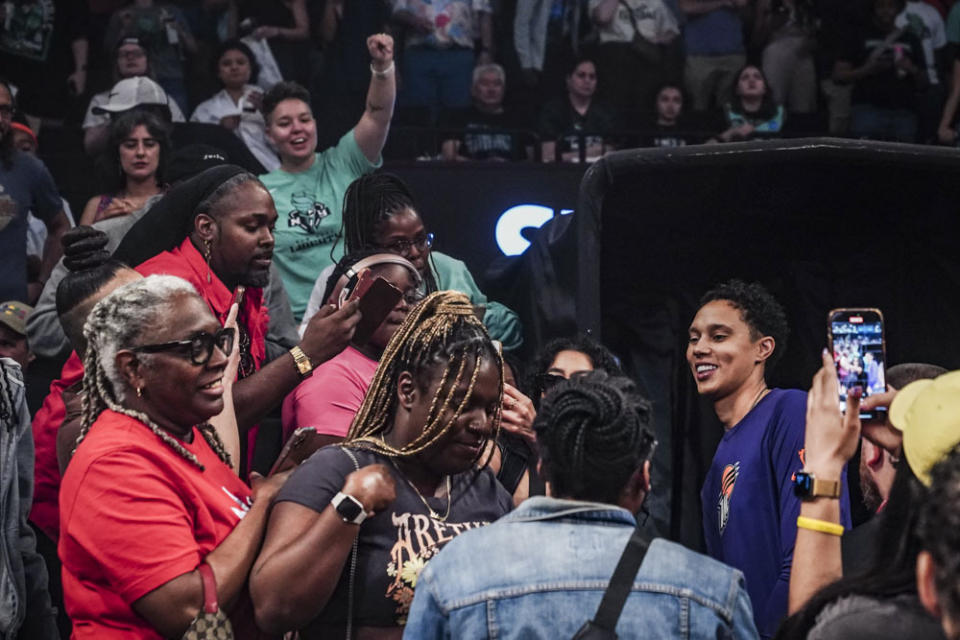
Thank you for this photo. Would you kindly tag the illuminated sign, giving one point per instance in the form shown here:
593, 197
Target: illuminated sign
512, 222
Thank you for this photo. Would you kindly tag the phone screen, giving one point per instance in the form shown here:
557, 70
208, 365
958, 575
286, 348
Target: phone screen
859, 353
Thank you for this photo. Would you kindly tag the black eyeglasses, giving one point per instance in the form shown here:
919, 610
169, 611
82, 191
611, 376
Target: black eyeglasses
198, 347
403, 247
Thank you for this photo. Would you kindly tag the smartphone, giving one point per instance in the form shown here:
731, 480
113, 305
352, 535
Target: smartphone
301, 445
859, 351
377, 299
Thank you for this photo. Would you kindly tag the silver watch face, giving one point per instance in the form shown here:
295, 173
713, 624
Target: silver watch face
349, 508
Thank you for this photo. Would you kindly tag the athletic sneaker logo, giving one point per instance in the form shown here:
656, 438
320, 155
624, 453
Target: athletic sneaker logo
727, 479
306, 214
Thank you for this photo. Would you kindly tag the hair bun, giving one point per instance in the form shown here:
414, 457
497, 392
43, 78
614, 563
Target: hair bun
84, 248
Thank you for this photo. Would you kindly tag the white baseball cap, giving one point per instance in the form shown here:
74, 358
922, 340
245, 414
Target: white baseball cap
133, 92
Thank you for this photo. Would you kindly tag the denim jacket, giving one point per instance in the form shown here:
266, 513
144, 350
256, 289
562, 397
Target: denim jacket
25, 608
540, 572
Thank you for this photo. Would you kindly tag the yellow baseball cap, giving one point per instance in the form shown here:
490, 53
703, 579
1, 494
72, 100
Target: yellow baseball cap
927, 412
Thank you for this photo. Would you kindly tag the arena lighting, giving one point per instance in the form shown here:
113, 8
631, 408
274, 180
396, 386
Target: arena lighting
512, 222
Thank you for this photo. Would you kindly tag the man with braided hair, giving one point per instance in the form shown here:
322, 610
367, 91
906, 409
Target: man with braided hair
556, 555
134, 551
405, 482
216, 230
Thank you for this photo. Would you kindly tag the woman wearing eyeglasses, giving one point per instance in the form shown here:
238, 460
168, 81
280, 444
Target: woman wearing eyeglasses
379, 212
330, 398
150, 507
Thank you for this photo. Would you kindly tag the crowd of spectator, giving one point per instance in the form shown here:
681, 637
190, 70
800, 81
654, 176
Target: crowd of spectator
880, 69
232, 301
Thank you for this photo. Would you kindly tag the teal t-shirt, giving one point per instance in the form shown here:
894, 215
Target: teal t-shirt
502, 323
309, 205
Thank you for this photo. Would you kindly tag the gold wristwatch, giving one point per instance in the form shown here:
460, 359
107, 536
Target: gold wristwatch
806, 486
304, 366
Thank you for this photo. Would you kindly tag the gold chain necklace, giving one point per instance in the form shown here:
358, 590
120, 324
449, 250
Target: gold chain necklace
433, 514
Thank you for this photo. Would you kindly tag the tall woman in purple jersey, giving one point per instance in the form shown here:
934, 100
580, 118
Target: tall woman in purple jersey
749, 509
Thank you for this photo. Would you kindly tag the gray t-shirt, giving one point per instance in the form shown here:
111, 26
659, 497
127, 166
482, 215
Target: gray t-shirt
25, 186
858, 616
395, 544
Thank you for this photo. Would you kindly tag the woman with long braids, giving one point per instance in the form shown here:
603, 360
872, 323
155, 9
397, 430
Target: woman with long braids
405, 482
380, 212
149, 504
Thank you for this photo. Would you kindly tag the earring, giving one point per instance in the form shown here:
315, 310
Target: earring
207, 250
139, 392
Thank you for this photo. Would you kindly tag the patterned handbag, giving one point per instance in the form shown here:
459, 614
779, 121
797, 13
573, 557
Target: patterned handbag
211, 623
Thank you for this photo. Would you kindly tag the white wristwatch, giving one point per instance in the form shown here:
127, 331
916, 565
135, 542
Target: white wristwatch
349, 508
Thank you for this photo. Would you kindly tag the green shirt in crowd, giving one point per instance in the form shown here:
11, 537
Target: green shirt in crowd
309, 205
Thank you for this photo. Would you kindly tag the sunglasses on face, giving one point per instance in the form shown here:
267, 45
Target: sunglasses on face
547, 381
403, 247
199, 347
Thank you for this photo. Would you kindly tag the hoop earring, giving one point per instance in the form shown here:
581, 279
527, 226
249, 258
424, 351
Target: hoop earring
207, 251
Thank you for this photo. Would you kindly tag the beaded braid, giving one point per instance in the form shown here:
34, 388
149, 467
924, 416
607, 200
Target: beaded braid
422, 339
139, 300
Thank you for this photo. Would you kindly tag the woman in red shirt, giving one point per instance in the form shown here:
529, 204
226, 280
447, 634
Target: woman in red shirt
149, 496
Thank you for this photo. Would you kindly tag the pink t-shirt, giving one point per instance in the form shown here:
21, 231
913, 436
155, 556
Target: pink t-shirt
331, 396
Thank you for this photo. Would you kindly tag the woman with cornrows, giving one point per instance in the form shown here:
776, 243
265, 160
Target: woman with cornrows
351, 530
150, 508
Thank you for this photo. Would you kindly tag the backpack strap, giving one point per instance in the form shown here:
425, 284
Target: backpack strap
604, 622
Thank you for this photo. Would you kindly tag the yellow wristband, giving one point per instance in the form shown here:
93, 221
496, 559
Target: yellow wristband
822, 526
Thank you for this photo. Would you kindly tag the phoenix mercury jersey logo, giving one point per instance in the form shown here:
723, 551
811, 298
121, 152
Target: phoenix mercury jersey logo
727, 479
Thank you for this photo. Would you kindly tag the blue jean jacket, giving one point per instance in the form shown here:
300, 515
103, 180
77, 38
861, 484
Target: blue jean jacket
540, 572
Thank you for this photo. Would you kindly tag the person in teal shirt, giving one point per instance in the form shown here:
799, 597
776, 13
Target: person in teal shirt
308, 187
380, 213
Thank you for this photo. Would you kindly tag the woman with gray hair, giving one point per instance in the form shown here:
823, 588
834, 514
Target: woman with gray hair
154, 522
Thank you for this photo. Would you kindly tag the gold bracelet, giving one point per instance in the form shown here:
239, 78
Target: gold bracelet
822, 526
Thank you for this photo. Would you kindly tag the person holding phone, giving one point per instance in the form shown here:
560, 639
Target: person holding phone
330, 398
749, 506
215, 230
409, 477
380, 212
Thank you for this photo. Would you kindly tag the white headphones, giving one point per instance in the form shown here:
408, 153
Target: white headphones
348, 281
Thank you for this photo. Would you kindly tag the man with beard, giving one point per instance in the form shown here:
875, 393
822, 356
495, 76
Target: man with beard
216, 232
878, 468
25, 185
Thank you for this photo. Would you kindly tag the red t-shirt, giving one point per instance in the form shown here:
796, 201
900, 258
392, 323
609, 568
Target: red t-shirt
46, 475
135, 515
331, 396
